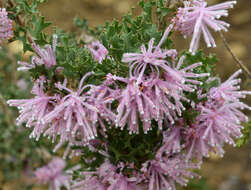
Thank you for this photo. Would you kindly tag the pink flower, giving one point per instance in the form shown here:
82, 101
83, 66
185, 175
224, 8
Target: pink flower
134, 100
153, 57
196, 18
24, 66
214, 126
165, 172
98, 51
103, 97
172, 139
168, 93
221, 112
155, 98
229, 90
90, 183
33, 110
219, 121
196, 146
46, 56
5, 25
100, 98
77, 112
107, 177
54, 175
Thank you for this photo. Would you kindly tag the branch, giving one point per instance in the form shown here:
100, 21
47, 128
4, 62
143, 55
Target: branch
236, 59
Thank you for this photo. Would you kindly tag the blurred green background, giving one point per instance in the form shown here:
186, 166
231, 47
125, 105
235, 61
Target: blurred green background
233, 172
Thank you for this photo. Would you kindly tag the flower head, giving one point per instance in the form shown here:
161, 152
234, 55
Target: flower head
228, 91
46, 56
153, 57
5, 25
54, 175
98, 51
197, 17
222, 110
102, 97
165, 172
219, 121
172, 139
77, 113
107, 177
134, 100
168, 93
196, 146
33, 110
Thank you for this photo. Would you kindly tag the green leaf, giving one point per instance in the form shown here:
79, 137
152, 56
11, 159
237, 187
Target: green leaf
38, 25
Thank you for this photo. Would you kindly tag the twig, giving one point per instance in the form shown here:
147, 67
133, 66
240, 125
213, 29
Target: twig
236, 59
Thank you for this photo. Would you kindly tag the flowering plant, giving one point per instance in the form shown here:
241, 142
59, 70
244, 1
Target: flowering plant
139, 113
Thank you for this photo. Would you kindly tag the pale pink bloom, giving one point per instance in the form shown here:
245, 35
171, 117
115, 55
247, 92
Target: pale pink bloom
155, 98
228, 90
221, 113
196, 146
71, 117
164, 173
224, 121
33, 110
103, 97
216, 125
134, 100
98, 51
76, 110
219, 121
153, 57
107, 177
5, 25
172, 139
197, 17
54, 175
90, 183
168, 93
58, 128
24, 66
46, 56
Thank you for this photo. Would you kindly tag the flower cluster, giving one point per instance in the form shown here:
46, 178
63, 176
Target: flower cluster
219, 120
72, 116
150, 94
5, 25
160, 91
155, 91
160, 173
197, 17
